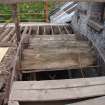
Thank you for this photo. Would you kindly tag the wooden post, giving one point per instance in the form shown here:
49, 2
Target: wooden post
17, 29
46, 10
16, 21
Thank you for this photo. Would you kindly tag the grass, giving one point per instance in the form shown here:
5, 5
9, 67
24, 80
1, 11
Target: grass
27, 11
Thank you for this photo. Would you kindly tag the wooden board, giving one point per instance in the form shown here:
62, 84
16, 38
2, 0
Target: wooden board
57, 89
3, 51
96, 101
13, 103
50, 60
57, 51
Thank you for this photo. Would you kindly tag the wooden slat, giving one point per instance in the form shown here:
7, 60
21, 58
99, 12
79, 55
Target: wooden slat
48, 30
95, 25
57, 89
5, 33
96, 101
10, 34
13, 103
3, 52
55, 41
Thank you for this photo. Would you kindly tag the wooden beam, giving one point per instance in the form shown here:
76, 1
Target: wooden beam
57, 89
9, 36
21, 1
16, 21
46, 10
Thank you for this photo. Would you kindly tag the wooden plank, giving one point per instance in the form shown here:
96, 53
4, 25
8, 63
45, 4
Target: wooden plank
5, 33
21, 1
63, 30
25, 30
57, 51
55, 37
96, 101
56, 30
10, 34
48, 30
3, 52
57, 89
95, 25
52, 41
54, 60
13, 103
56, 84
7, 44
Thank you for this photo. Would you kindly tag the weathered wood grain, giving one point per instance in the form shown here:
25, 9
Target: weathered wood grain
96, 101
57, 89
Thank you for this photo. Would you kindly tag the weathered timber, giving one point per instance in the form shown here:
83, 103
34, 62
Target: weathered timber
49, 60
13, 103
5, 33
16, 21
57, 89
8, 36
95, 101
96, 26
57, 41
57, 51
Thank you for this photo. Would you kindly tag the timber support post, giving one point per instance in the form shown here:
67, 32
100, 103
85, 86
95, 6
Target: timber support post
16, 21
46, 10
